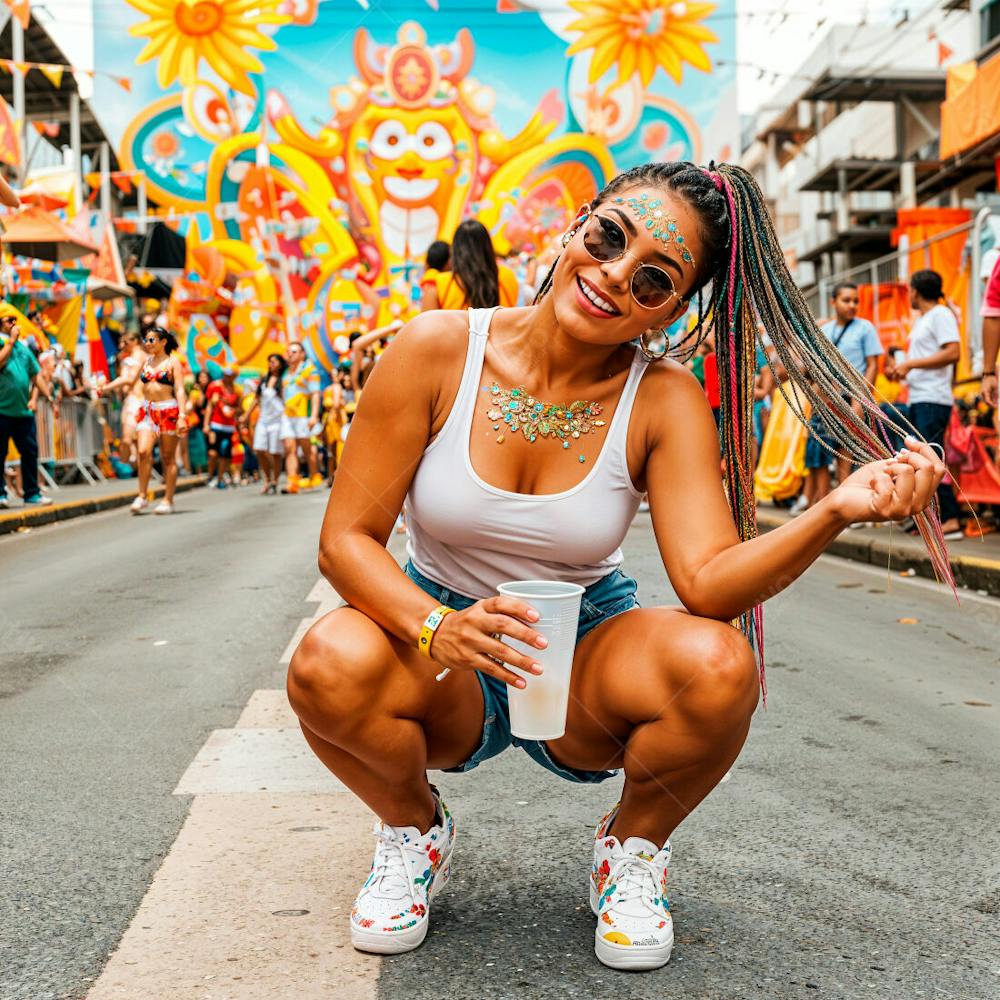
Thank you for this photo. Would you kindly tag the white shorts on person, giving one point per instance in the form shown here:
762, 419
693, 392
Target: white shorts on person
267, 437
294, 427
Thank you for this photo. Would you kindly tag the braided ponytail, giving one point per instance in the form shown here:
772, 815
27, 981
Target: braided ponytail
744, 269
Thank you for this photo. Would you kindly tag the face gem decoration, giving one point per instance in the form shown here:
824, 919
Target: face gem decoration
661, 224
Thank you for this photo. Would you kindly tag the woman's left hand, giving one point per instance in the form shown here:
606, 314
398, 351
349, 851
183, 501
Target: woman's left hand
182, 429
891, 489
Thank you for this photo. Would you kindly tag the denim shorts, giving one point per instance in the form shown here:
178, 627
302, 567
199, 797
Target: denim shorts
821, 445
610, 596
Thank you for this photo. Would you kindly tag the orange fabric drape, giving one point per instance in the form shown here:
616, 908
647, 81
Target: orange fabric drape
971, 112
893, 319
947, 257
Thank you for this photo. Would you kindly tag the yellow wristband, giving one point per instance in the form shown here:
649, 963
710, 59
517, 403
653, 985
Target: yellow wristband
430, 626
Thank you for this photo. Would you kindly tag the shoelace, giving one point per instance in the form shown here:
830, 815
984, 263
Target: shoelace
635, 879
391, 875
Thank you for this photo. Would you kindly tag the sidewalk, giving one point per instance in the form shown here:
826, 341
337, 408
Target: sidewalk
78, 500
974, 561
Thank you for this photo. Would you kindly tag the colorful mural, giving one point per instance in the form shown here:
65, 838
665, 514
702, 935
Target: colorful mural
316, 149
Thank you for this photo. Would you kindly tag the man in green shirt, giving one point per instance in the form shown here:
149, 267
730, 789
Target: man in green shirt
18, 372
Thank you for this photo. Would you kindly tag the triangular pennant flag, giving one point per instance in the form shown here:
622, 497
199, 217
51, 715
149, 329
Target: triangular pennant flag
21, 67
125, 83
21, 9
6, 66
49, 129
944, 53
122, 182
53, 74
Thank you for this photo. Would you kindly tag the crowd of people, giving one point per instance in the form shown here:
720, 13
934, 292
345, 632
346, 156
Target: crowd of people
236, 431
284, 432
914, 381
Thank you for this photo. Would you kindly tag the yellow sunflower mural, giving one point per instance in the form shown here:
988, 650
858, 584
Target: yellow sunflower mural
640, 35
182, 33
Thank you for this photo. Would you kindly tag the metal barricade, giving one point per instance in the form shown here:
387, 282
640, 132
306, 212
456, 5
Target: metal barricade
894, 268
45, 432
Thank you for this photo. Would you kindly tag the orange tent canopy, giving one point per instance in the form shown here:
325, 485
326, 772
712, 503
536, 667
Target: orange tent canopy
36, 233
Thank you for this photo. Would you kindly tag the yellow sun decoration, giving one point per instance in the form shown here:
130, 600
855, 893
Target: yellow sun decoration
640, 35
182, 33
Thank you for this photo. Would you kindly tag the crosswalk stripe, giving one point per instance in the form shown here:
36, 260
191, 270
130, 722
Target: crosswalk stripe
252, 901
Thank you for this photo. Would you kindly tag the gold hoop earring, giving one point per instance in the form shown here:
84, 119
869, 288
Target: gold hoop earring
654, 344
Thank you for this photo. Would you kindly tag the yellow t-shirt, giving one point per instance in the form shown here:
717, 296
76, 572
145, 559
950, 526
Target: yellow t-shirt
451, 296
298, 388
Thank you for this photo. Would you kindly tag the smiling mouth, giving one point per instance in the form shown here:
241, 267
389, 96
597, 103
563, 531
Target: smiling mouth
590, 292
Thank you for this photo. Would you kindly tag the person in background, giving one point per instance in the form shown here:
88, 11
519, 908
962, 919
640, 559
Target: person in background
161, 416
333, 420
929, 367
475, 281
763, 387
64, 374
270, 406
198, 445
438, 261
363, 356
857, 340
301, 418
991, 335
439, 256
20, 374
222, 404
131, 358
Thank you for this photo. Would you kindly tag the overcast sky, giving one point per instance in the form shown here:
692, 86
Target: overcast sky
776, 36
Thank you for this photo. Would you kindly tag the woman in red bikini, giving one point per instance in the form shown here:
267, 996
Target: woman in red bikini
159, 417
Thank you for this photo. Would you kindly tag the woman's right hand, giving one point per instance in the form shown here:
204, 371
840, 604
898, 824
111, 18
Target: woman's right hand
468, 640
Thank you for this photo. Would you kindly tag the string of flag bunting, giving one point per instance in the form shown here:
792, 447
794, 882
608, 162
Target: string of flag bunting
53, 72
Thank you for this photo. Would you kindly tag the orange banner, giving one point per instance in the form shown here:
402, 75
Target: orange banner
971, 112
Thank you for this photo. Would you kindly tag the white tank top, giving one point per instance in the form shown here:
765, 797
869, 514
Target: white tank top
470, 536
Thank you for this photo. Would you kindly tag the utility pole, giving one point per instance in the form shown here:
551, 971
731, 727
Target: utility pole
17, 37
74, 141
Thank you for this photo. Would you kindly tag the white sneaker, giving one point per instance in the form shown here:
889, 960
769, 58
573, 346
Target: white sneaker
164, 508
139, 504
799, 507
4, 503
212, 483
628, 894
390, 914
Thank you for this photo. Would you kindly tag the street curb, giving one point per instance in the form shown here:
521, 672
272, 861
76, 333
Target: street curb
973, 572
14, 520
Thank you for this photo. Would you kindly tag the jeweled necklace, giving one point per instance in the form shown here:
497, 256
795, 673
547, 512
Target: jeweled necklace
514, 410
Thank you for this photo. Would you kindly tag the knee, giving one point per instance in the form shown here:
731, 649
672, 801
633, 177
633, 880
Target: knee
334, 673
726, 682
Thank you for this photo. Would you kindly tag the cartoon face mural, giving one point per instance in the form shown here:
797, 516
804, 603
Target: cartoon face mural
320, 189
415, 161
410, 142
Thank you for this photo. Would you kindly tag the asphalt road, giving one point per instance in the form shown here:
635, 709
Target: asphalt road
854, 852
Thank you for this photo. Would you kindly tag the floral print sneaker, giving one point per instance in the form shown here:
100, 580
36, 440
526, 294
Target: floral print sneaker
628, 894
410, 868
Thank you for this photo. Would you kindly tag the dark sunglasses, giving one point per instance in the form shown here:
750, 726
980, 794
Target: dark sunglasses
606, 241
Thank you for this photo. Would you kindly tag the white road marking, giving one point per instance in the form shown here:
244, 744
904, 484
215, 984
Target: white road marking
277, 761
941, 589
252, 900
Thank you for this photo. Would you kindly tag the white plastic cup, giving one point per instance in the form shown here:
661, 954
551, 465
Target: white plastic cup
538, 711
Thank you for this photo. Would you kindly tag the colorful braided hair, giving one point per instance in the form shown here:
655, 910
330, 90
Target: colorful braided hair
744, 266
